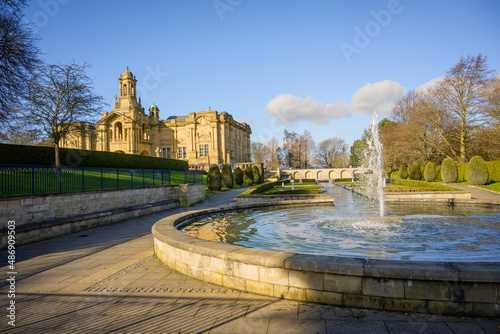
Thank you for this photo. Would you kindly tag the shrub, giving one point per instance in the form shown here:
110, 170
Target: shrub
430, 172
394, 175
248, 176
258, 189
238, 176
403, 172
414, 172
477, 171
449, 171
438, 173
462, 171
227, 176
44, 156
256, 175
494, 170
214, 182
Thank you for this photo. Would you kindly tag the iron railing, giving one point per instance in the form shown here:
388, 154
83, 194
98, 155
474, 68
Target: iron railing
18, 180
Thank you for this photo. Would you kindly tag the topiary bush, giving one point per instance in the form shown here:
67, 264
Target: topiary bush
430, 172
238, 176
214, 181
248, 176
449, 171
403, 172
256, 175
414, 172
227, 176
477, 171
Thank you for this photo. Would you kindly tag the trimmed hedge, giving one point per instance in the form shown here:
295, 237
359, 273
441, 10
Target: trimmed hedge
263, 187
227, 176
462, 171
238, 176
248, 176
45, 156
256, 175
423, 184
214, 182
414, 173
477, 171
449, 171
494, 170
403, 172
430, 172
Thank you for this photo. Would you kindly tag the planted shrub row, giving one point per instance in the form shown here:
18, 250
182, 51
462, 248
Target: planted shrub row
45, 156
263, 187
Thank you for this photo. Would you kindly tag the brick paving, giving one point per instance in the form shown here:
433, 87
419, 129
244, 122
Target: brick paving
107, 280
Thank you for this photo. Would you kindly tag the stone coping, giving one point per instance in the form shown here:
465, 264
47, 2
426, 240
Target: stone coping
444, 288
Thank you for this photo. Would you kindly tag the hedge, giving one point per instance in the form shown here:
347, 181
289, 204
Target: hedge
262, 187
423, 184
462, 171
494, 170
45, 156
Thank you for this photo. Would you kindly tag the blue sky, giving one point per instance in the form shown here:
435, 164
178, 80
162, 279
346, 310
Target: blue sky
324, 66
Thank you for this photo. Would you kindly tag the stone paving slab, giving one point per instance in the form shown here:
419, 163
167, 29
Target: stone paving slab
109, 282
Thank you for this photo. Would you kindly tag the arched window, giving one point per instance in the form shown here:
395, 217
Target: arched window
124, 90
144, 133
118, 131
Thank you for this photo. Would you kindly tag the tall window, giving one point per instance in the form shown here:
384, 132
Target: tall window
165, 152
203, 150
206, 149
182, 153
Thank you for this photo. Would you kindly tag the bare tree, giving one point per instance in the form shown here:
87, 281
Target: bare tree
492, 97
332, 152
18, 55
259, 151
307, 147
58, 97
460, 105
20, 134
272, 153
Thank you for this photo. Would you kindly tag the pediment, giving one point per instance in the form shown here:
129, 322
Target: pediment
204, 137
204, 120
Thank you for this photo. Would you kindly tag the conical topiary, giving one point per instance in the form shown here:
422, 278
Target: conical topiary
238, 176
256, 174
248, 176
430, 172
414, 172
449, 171
227, 176
477, 171
214, 182
403, 172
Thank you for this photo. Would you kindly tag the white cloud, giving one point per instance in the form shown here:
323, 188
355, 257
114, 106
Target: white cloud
429, 85
379, 96
288, 109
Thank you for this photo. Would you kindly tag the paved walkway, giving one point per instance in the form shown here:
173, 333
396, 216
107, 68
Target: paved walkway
108, 280
477, 193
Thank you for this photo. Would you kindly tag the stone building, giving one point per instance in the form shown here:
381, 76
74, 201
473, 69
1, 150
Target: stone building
204, 137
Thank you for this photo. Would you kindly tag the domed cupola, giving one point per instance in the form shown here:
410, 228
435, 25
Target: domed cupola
154, 111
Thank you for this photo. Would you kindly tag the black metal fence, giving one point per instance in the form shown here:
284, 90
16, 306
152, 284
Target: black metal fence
34, 180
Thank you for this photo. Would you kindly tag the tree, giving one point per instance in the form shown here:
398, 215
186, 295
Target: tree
272, 153
256, 174
59, 96
248, 176
430, 172
477, 171
306, 147
460, 105
20, 134
238, 176
259, 151
18, 56
414, 172
332, 152
357, 152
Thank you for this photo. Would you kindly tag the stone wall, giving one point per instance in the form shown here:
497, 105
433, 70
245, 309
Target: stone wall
444, 288
46, 216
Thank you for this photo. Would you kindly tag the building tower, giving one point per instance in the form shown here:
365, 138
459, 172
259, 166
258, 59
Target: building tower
154, 111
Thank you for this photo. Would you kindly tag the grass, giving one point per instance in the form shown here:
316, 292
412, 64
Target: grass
492, 186
18, 182
423, 186
288, 190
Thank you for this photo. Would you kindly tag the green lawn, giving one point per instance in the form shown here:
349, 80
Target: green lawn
299, 189
492, 186
414, 187
16, 182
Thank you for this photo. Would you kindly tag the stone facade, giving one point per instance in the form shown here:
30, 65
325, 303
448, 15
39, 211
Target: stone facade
204, 137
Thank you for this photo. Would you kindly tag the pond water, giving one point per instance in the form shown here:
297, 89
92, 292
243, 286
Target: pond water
427, 232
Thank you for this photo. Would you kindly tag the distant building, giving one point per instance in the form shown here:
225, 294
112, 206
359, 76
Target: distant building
204, 137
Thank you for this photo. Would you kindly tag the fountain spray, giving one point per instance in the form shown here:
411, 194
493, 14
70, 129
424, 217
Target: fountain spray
373, 156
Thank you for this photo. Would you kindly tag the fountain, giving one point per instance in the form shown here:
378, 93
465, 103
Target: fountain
373, 155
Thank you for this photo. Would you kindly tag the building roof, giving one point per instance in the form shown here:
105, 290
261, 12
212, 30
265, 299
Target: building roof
178, 117
154, 106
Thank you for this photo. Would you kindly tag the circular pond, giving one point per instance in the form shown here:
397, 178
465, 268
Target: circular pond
426, 232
